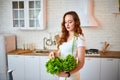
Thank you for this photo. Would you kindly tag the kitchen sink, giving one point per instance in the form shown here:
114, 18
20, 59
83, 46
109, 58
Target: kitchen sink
41, 51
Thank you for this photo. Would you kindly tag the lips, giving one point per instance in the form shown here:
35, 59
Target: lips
68, 27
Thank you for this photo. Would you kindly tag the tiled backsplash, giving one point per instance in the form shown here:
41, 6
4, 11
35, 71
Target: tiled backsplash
109, 29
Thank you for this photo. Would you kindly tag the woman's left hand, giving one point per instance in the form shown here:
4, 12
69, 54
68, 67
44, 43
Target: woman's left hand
62, 74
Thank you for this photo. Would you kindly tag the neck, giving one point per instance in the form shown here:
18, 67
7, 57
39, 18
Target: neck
71, 33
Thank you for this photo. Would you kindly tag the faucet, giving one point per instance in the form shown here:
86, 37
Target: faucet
48, 42
44, 43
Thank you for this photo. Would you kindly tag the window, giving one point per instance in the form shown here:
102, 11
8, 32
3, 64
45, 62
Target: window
29, 14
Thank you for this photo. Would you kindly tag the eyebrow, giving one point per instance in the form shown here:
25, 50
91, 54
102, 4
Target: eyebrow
69, 20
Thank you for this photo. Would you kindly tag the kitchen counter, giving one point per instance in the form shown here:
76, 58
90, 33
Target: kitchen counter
108, 54
26, 52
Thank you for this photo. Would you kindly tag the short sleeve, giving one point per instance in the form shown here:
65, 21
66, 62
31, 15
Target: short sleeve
80, 41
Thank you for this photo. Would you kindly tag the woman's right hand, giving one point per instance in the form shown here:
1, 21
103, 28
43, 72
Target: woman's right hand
52, 55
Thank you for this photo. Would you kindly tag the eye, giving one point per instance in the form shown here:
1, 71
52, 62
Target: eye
70, 21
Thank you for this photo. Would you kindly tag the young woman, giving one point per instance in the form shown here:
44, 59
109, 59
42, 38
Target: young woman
71, 34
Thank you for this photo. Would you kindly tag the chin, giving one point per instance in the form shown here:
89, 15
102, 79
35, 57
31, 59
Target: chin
67, 29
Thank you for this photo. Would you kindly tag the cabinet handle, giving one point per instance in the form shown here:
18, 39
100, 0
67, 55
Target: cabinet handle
16, 56
109, 59
88, 59
31, 57
46, 57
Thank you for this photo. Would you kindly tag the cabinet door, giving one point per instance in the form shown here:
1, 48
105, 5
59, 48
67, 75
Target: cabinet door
32, 68
91, 69
18, 13
29, 14
16, 63
109, 69
44, 74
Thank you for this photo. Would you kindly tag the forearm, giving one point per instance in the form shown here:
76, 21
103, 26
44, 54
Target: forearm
81, 59
64, 74
79, 66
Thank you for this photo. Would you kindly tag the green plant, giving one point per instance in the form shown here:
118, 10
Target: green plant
69, 63
56, 65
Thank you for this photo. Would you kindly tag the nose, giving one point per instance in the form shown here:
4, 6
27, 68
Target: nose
67, 24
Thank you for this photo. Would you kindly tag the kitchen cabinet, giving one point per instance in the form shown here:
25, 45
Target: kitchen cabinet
109, 69
44, 74
91, 69
16, 63
29, 14
32, 67
29, 67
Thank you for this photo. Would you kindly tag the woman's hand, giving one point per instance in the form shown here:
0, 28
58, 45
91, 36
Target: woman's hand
62, 74
52, 55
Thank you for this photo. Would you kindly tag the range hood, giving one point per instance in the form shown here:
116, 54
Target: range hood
86, 13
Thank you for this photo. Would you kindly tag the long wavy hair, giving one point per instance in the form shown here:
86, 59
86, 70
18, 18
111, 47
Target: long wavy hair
77, 28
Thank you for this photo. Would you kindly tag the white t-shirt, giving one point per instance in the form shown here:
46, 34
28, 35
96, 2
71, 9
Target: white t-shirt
66, 48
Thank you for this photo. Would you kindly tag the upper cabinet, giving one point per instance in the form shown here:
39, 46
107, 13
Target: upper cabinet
29, 14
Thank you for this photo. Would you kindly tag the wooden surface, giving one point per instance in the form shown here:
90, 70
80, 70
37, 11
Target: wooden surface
19, 51
26, 52
108, 54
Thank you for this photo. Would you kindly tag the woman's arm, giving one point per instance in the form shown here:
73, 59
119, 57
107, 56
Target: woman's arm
81, 60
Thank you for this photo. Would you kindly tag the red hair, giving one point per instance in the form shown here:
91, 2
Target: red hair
77, 28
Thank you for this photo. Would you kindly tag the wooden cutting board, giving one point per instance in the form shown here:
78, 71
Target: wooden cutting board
20, 51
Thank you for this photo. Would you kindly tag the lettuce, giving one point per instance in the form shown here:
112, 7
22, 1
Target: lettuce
69, 63
56, 65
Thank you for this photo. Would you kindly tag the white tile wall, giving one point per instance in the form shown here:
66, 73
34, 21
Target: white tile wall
109, 29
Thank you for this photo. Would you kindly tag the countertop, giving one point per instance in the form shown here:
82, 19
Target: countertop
108, 54
26, 52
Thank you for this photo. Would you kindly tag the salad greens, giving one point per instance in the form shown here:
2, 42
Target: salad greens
69, 63
56, 65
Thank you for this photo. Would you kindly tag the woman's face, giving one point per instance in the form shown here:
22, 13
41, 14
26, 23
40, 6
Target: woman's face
69, 23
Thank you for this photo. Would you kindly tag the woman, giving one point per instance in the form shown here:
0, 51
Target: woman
71, 34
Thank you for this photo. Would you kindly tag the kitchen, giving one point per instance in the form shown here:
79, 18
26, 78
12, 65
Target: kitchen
105, 11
